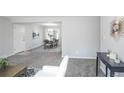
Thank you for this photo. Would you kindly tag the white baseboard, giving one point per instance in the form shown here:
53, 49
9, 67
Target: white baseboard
81, 57
7, 55
33, 47
18, 52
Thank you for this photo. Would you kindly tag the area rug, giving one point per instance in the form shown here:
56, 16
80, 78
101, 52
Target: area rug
31, 71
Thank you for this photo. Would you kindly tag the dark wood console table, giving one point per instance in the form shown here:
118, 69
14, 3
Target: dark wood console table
109, 63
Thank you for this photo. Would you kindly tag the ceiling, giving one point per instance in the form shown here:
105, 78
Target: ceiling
55, 24
17, 17
51, 20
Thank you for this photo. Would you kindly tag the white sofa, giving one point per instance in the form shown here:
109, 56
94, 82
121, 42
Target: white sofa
54, 71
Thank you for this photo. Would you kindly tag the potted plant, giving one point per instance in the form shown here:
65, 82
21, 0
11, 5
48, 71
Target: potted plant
3, 63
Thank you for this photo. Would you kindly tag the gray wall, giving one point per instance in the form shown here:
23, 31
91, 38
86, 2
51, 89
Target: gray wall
107, 41
6, 37
80, 35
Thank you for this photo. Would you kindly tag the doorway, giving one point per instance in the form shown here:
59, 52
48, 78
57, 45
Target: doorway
28, 36
52, 36
19, 34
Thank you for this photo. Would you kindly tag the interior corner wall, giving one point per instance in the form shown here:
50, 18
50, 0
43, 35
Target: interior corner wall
6, 37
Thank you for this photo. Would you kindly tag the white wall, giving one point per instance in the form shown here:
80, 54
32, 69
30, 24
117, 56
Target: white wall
6, 37
30, 42
80, 35
108, 42
18, 37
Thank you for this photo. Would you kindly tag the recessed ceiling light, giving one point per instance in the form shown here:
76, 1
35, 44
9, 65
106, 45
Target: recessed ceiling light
49, 24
